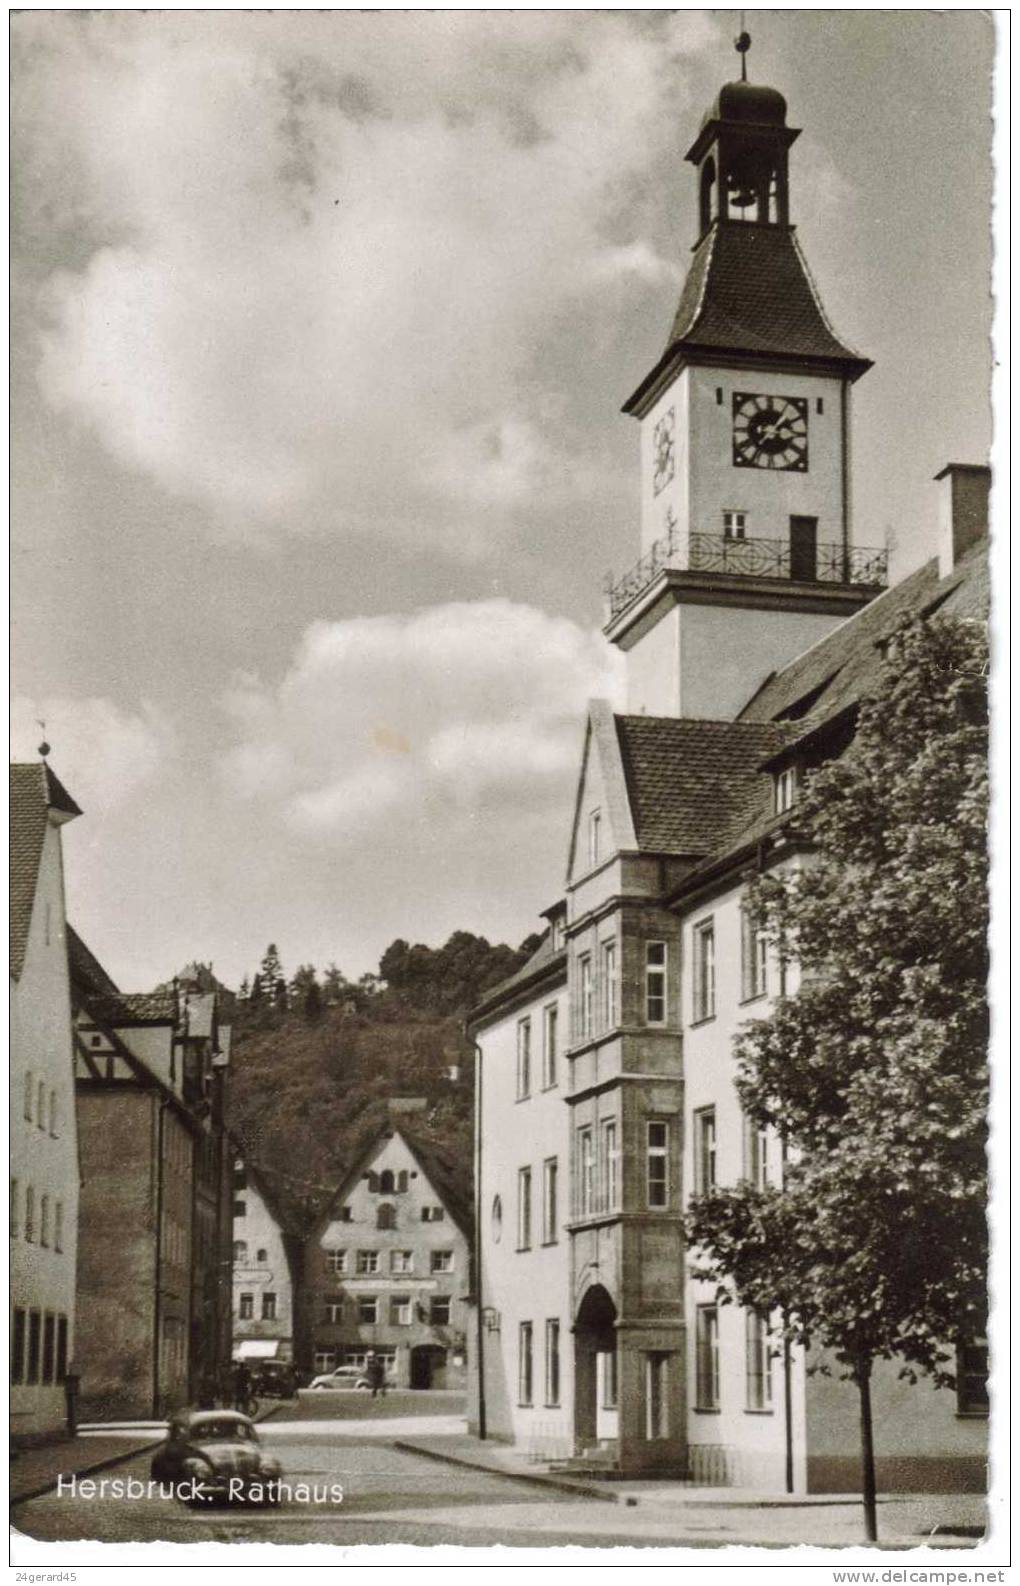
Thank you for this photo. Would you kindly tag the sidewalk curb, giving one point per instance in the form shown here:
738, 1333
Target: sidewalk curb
109, 1460
575, 1489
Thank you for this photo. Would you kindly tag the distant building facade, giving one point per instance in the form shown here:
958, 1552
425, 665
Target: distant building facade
263, 1303
155, 1237
43, 1134
386, 1269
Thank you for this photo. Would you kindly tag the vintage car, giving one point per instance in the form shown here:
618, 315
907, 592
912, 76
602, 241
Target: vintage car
274, 1379
212, 1455
343, 1377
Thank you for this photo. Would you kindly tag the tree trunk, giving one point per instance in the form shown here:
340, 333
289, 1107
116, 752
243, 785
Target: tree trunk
863, 1375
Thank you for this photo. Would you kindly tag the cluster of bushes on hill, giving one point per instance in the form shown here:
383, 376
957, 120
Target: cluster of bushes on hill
316, 1057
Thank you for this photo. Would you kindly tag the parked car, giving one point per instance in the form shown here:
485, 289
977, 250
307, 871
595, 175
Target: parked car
348, 1377
216, 1455
274, 1379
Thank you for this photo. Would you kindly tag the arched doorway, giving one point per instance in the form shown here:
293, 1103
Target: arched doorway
595, 1370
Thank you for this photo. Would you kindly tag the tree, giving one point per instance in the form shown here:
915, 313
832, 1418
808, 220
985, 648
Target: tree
333, 984
244, 991
873, 1071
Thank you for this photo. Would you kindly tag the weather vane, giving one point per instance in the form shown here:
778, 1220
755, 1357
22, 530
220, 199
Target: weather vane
742, 43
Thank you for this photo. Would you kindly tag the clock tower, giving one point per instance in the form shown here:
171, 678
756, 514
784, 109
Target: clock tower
748, 548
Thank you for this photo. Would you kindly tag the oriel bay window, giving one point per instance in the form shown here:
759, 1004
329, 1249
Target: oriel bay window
657, 1163
585, 1171
609, 993
655, 982
584, 997
610, 1165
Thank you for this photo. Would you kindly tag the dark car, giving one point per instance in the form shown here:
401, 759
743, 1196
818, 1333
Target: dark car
274, 1379
212, 1455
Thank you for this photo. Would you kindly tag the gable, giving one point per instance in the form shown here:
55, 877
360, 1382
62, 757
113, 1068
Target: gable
601, 789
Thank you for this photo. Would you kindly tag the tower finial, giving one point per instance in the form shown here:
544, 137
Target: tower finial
742, 43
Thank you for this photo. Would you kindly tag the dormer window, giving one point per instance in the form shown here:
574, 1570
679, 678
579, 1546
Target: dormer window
786, 789
734, 524
594, 836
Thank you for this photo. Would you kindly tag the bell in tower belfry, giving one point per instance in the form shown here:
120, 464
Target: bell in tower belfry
742, 155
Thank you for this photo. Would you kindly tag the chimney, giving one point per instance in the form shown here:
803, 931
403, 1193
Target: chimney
963, 510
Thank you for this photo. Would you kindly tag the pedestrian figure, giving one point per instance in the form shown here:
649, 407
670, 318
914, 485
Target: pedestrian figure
377, 1376
242, 1387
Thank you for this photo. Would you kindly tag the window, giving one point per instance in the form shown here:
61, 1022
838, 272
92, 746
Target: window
34, 1341
594, 836
655, 982
610, 1165
556, 933
49, 1346
402, 1182
704, 970
610, 1379
552, 1361
345, 1215
523, 1058
756, 1163
29, 1213
753, 956
734, 525
53, 1113
524, 1208
269, 1307
441, 1261
585, 1172
29, 1092
18, 1330
400, 1310
706, 1344
608, 985
40, 1111
262, 1255
386, 1216
15, 1223
550, 1174
58, 1226
549, 1037
368, 1261
238, 1209
240, 1250
333, 1312
758, 1359
324, 1359
658, 1164
246, 1307
656, 1395
439, 1310
584, 1009
819, 404
240, 1177
336, 1261
704, 1150
972, 1378
44, 1221
368, 1309
401, 1260
61, 1348
525, 1372
785, 789
497, 1219
432, 1214
387, 1183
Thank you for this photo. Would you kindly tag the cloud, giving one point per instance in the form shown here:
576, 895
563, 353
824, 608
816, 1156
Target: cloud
103, 754
299, 298
453, 722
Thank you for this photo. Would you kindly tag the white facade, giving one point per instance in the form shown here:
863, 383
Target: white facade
44, 1155
263, 1293
524, 1204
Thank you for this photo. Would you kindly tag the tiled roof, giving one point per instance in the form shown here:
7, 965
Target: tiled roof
748, 290
88, 977
34, 791
689, 781
834, 673
136, 1007
450, 1176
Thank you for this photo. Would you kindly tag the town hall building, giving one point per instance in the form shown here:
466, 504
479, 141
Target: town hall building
751, 627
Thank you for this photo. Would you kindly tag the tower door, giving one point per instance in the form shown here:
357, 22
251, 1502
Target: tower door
804, 549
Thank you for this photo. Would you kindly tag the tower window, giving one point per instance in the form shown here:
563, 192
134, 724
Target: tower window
734, 525
819, 406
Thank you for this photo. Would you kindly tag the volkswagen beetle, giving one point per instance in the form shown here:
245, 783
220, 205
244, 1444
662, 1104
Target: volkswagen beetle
214, 1455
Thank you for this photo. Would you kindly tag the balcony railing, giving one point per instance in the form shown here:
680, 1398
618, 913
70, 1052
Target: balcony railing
855, 565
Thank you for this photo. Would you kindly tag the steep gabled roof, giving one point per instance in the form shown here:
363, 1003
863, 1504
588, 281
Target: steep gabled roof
35, 790
449, 1176
837, 671
688, 781
88, 977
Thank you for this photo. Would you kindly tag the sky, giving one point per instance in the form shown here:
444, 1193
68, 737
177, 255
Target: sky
321, 326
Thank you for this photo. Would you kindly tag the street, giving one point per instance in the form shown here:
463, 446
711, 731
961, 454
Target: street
389, 1496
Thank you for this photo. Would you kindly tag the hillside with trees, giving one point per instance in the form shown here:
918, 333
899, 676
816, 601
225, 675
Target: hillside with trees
316, 1057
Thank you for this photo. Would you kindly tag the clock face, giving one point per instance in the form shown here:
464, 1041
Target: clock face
770, 432
664, 450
